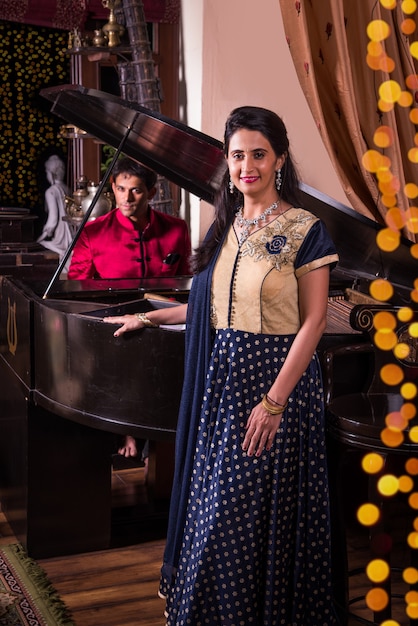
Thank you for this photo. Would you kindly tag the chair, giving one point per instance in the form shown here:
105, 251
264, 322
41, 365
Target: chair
355, 420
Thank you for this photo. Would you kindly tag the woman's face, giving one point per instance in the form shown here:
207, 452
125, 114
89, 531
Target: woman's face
252, 163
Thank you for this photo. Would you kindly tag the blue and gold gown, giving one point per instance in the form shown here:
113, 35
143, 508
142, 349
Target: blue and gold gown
249, 537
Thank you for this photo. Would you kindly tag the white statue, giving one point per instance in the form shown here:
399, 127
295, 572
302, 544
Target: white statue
56, 234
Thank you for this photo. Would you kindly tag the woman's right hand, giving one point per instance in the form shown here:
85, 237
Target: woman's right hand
129, 323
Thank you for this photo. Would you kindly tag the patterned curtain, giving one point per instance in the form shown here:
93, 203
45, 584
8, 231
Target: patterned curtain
341, 65
70, 14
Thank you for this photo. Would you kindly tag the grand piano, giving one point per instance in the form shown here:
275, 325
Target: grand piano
68, 386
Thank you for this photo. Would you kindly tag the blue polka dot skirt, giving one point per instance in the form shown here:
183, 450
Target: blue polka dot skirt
256, 545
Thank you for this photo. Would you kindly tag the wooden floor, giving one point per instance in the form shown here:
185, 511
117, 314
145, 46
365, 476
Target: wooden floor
118, 587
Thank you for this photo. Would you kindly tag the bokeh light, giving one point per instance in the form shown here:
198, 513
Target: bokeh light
388, 485
388, 239
411, 466
381, 289
377, 570
410, 575
396, 421
392, 374
372, 462
368, 514
392, 438
378, 30
377, 599
406, 484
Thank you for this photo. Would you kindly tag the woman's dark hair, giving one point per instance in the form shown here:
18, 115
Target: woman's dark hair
226, 204
124, 165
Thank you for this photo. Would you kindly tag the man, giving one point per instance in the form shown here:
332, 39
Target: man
132, 241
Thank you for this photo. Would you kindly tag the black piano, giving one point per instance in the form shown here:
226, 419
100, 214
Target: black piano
68, 386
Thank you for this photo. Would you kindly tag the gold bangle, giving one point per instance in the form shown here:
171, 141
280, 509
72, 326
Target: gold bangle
273, 410
142, 317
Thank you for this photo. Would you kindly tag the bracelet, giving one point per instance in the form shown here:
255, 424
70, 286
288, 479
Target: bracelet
274, 401
142, 317
270, 408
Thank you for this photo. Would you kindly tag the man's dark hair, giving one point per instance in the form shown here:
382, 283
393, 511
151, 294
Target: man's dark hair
125, 165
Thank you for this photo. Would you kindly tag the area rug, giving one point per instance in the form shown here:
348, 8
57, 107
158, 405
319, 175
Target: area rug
27, 597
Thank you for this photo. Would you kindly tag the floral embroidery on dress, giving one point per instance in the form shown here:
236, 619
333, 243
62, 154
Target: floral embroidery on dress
279, 242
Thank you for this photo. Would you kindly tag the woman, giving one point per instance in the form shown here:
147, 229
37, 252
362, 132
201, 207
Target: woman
248, 539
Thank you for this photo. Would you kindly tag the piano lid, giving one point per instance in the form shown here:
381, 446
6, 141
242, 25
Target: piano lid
185, 156
195, 161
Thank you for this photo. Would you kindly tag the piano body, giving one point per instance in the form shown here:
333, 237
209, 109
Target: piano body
68, 386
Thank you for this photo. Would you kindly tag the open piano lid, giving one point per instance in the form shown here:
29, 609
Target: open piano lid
195, 162
181, 154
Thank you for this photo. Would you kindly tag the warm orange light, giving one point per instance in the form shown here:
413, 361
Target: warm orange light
413, 155
411, 82
414, 251
377, 570
383, 136
401, 351
368, 514
413, 434
405, 314
385, 339
411, 190
372, 160
377, 599
409, 6
395, 218
372, 463
405, 99
408, 391
406, 484
388, 4
389, 200
378, 30
381, 289
388, 485
410, 575
391, 374
385, 107
384, 320
413, 329
388, 239
413, 540
392, 438
411, 466
411, 215
390, 91
413, 501
411, 597
409, 410
408, 26
396, 421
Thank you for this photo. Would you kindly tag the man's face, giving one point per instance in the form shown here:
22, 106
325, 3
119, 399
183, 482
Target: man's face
132, 196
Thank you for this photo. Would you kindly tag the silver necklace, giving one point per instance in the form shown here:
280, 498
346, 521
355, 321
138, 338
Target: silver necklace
247, 224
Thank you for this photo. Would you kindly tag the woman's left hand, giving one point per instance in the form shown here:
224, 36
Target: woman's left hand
261, 429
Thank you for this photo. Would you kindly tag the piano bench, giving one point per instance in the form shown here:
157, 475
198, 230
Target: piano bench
355, 421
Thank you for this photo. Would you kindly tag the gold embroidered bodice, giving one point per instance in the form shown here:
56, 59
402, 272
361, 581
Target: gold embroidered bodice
255, 285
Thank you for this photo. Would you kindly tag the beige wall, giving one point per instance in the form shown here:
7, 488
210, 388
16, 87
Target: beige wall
246, 60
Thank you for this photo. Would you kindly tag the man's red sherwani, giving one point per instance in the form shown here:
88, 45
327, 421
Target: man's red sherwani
111, 247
